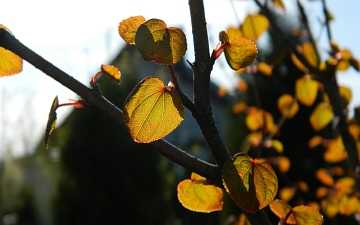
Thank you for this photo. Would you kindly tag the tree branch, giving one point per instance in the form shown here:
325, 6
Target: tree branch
94, 98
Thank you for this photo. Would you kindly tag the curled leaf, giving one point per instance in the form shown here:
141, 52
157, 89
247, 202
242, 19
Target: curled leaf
197, 195
156, 42
50, 126
152, 110
251, 183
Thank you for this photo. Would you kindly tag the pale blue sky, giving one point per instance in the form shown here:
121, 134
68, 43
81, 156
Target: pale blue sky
79, 36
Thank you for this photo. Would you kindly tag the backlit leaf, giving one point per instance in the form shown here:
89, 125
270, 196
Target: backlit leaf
306, 90
282, 209
349, 205
264, 68
233, 32
240, 52
50, 126
345, 94
287, 106
315, 141
152, 110
287, 193
251, 183
330, 206
279, 4
277, 145
324, 176
283, 164
321, 116
254, 26
309, 53
197, 195
254, 120
10, 63
111, 71
128, 27
335, 151
159, 43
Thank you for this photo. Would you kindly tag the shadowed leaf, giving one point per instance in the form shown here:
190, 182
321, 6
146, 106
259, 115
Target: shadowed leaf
152, 110
128, 27
50, 126
197, 195
251, 183
156, 42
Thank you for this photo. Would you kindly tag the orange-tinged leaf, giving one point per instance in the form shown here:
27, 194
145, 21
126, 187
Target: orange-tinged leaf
283, 164
239, 107
287, 106
354, 130
255, 139
128, 27
324, 176
287, 193
254, 119
152, 110
315, 141
306, 90
251, 183
330, 206
197, 195
335, 151
240, 52
321, 116
282, 209
344, 186
242, 85
111, 71
159, 43
349, 205
271, 127
254, 26
50, 126
222, 91
10, 63
264, 68
302, 186
279, 4
322, 192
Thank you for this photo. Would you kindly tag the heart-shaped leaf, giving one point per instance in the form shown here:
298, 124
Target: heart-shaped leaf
254, 26
240, 52
156, 42
128, 27
50, 126
197, 195
111, 71
10, 63
251, 183
152, 110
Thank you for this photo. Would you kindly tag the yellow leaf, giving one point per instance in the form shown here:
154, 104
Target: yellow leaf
308, 51
128, 27
159, 43
240, 52
287, 106
233, 32
10, 63
322, 192
348, 205
255, 139
355, 64
254, 120
287, 193
264, 68
254, 26
251, 183
321, 116
283, 164
197, 195
335, 151
315, 141
298, 63
152, 110
271, 127
345, 94
277, 145
344, 186
306, 90
50, 126
354, 130
330, 206
111, 71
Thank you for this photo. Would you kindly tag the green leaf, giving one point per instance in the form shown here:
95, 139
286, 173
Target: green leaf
156, 42
251, 183
50, 126
152, 110
197, 195
240, 52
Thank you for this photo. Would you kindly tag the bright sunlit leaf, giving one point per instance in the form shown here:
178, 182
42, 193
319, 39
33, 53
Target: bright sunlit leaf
324, 176
159, 43
251, 183
152, 110
287, 193
277, 145
254, 26
233, 32
240, 52
308, 51
335, 151
315, 141
300, 215
197, 195
321, 116
111, 71
10, 63
128, 27
50, 126
287, 106
330, 206
254, 119
264, 68
349, 205
283, 164
306, 90
344, 186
